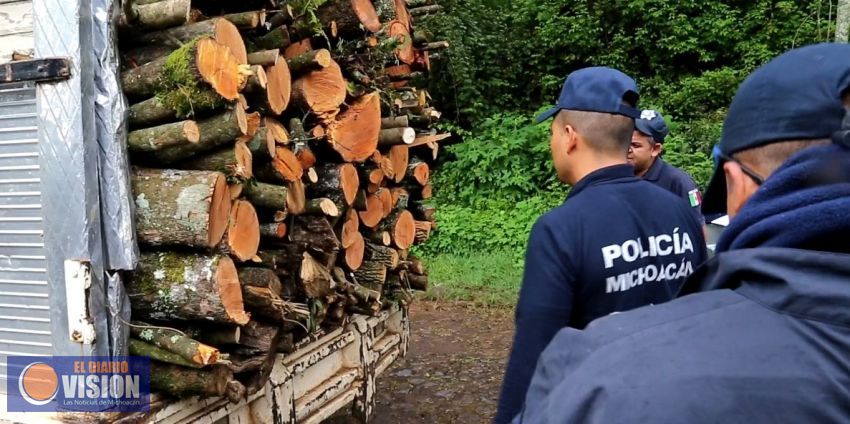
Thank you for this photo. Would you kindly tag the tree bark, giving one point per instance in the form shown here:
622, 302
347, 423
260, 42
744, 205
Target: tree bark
400, 225
422, 212
423, 232
314, 234
350, 16
322, 206
264, 302
184, 382
425, 10
264, 57
337, 182
260, 278
396, 136
153, 16
277, 38
273, 230
151, 112
418, 171
267, 195
371, 275
186, 286
177, 343
234, 162
247, 20
217, 336
384, 255
395, 122
163, 136
257, 337
418, 282
180, 208
219, 29
315, 278
140, 348
310, 61
214, 132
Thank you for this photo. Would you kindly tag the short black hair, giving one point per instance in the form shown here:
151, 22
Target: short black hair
604, 132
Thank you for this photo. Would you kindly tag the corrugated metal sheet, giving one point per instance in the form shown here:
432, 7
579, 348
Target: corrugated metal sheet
24, 307
16, 33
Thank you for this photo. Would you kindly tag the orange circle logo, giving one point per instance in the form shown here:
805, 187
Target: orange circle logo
38, 383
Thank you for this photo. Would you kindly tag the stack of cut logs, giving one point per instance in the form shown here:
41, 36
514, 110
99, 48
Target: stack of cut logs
281, 155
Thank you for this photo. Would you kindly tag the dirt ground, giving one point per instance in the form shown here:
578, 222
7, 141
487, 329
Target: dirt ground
453, 370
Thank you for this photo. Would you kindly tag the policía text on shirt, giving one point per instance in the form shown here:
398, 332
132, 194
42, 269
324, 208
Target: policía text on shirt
629, 251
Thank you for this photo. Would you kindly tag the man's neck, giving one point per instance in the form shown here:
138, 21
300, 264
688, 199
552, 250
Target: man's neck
645, 171
595, 164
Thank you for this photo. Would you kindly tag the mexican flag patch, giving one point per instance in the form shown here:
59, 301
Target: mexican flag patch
694, 197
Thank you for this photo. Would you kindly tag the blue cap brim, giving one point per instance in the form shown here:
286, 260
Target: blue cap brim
548, 114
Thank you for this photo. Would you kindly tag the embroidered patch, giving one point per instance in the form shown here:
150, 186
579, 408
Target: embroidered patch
694, 197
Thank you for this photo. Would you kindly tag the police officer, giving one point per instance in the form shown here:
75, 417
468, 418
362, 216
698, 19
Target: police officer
763, 329
607, 248
645, 154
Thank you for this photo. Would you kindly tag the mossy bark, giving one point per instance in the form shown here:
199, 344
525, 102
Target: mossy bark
140, 348
162, 136
174, 342
184, 382
214, 132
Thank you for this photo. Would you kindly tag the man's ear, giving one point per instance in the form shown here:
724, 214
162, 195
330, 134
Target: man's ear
571, 138
739, 188
657, 148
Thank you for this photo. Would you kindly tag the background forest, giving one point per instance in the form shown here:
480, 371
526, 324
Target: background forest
507, 61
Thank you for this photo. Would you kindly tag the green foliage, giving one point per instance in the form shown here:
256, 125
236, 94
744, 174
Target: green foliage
487, 279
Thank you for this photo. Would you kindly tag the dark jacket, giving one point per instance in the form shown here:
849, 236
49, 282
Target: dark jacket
606, 249
677, 182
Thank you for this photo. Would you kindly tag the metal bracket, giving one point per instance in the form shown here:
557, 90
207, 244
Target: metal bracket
50, 69
77, 284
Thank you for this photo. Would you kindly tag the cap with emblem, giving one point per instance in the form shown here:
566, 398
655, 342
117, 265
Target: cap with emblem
651, 123
597, 89
774, 105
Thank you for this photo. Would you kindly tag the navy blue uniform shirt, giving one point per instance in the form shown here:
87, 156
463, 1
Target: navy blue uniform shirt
616, 243
677, 182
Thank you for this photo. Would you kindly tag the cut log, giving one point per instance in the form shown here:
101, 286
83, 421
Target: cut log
370, 173
322, 206
220, 335
402, 14
167, 135
261, 278
277, 38
214, 132
418, 282
273, 230
153, 112
320, 92
418, 171
296, 198
219, 29
425, 10
247, 20
315, 278
371, 275
416, 266
423, 231
371, 210
300, 144
298, 48
140, 348
254, 121
400, 225
235, 190
262, 145
309, 61
278, 89
354, 134
264, 57
180, 208
385, 164
337, 182
386, 201
399, 157
264, 302
404, 49
400, 197
132, 58
426, 192
422, 212
234, 162
348, 231
354, 253
350, 24
267, 195
439, 45
175, 342
379, 237
257, 337
286, 15
396, 136
256, 83
182, 382
186, 286
242, 238
284, 260
153, 16
277, 131
315, 234
395, 122
284, 168
384, 255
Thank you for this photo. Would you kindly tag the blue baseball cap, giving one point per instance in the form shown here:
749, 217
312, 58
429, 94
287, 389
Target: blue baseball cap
795, 96
651, 123
597, 89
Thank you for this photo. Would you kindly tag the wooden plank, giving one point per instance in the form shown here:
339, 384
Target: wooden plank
36, 70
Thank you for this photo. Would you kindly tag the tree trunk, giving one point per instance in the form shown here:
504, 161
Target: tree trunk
163, 136
153, 16
354, 253
350, 24
378, 237
284, 168
370, 173
315, 278
320, 92
140, 348
219, 29
418, 171
264, 57
247, 20
262, 145
338, 182
152, 112
396, 136
399, 157
277, 38
139, 56
384, 255
257, 337
284, 260
186, 286
256, 83
348, 230
354, 134
261, 278
235, 162
264, 302
315, 234
275, 98
322, 206
273, 230
242, 238
395, 122
214, 132
177, 343
267, 195
423, 232
371, 275
182, 382
180, 208
313, 60
400, 225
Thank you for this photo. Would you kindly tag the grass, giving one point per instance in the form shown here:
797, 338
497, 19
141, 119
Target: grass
484, 279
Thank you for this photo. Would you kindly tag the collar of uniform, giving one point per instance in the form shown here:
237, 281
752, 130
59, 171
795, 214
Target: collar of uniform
654, 172
602, 176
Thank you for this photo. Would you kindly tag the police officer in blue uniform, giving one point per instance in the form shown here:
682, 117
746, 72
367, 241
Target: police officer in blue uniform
761, 333
608, 248
645, 154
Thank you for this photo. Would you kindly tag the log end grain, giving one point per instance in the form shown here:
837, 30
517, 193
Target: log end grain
354, 253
